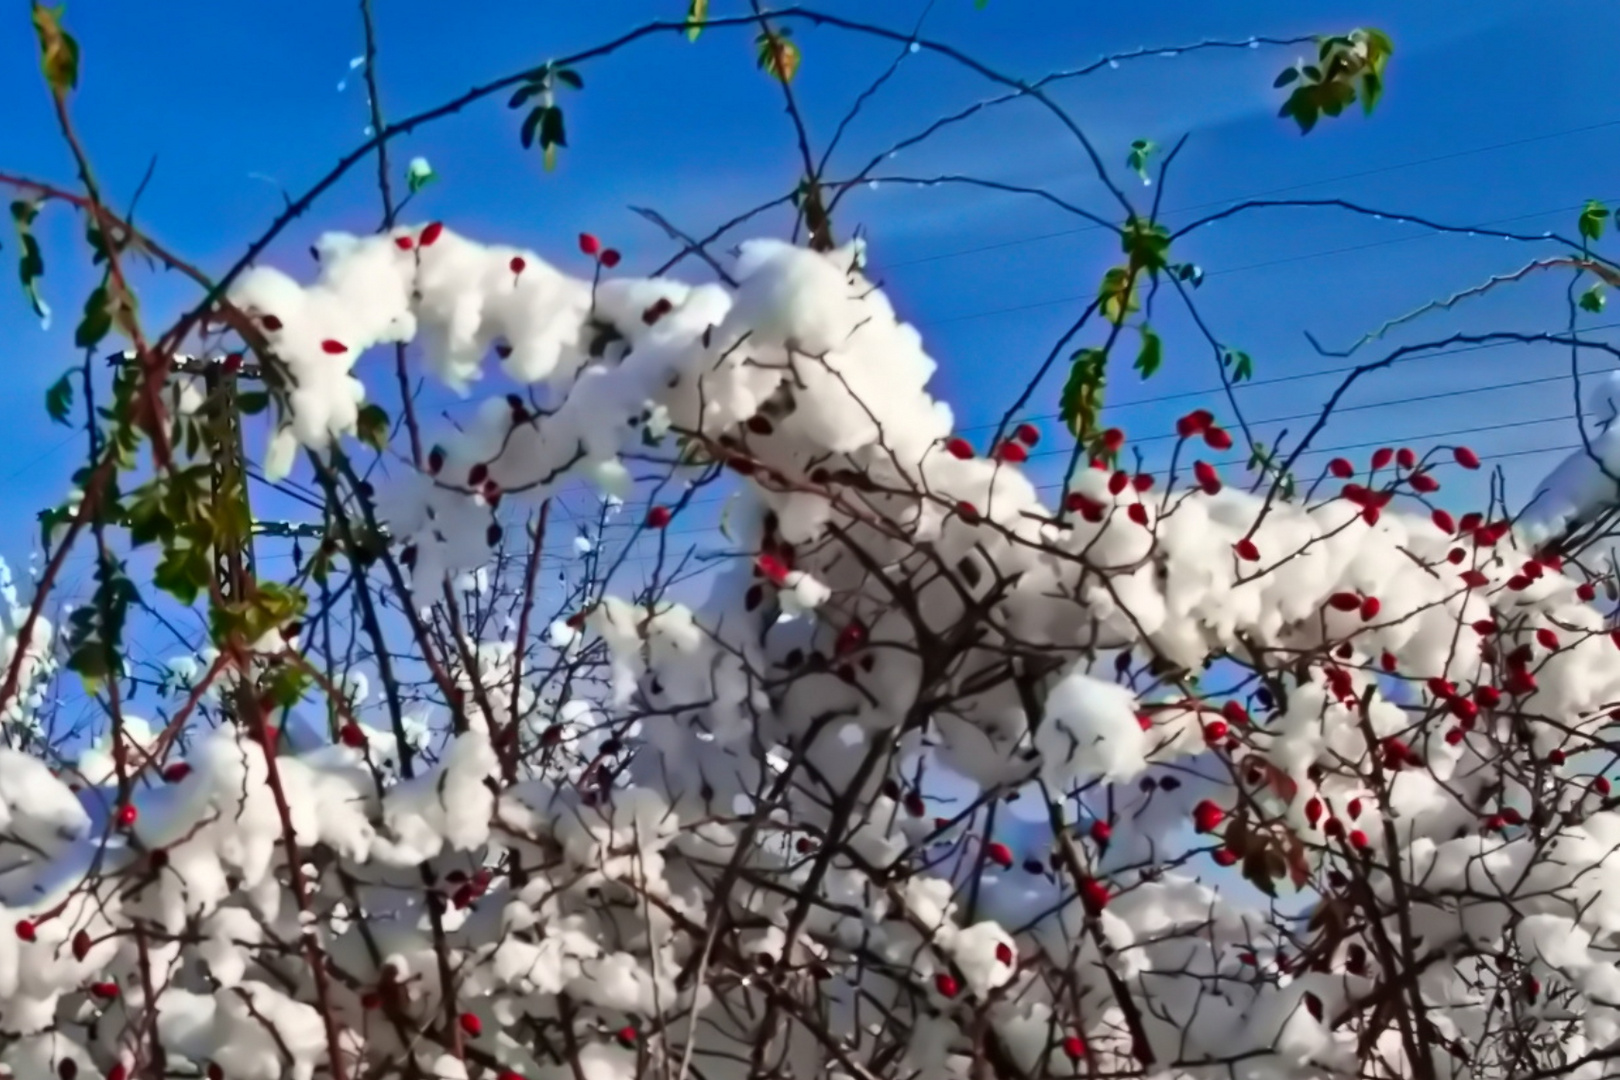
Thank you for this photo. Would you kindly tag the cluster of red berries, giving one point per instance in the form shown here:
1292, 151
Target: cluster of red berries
590, 246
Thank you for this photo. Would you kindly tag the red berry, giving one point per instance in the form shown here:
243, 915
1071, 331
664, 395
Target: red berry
1358, 839
431, 233
659, 517
1138, 513
1341, 468
81, 944
1313, 810
1443, 521
1546, 638
1207, 477
1424, 484
1382, 457
1011, 452
1587, 591
1235, 713
352, 736
1218, 439
968, 512
1466, 457
517, 264
1405, 458
1004, 953
173, 774
1454, 736
1600, 785
333, 348
1113, 439
915, 806
959, 448
1370, 608
589, 245
1475, 579
404, 243
1226, 857
1344, 601
1215, 731
25, 929
610, 258
947, 985
1118, 482
1386, 660
106, 991
999, 853
1556, 757
119, 1071
1076, 503
1028, 434
1101, 832
1093, 894
1207, 816
126, 815
1142, 482
471, 1024
233, 362
1074, 1047
1246, 550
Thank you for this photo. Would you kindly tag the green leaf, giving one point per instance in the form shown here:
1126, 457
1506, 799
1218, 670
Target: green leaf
531, 124
1593, 216
183, 572
1288, 75
1241, 363
373, 427
58, 52
31, 263
1080, 404
1372, 88
522, 94
1147, 243
1117, 294
697, 13
92, 662
96, 322
59, 399
551, 128
1151, 354
1137, 159
569, 77
778, 55
1592, 299
419, 174
252, 402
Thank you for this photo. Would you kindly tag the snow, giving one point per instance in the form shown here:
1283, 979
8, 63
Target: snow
695, 762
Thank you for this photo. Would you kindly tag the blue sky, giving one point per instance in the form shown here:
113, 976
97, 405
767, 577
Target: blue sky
1489, 117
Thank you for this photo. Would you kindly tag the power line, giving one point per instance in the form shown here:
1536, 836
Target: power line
1415, 163
1059, 301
